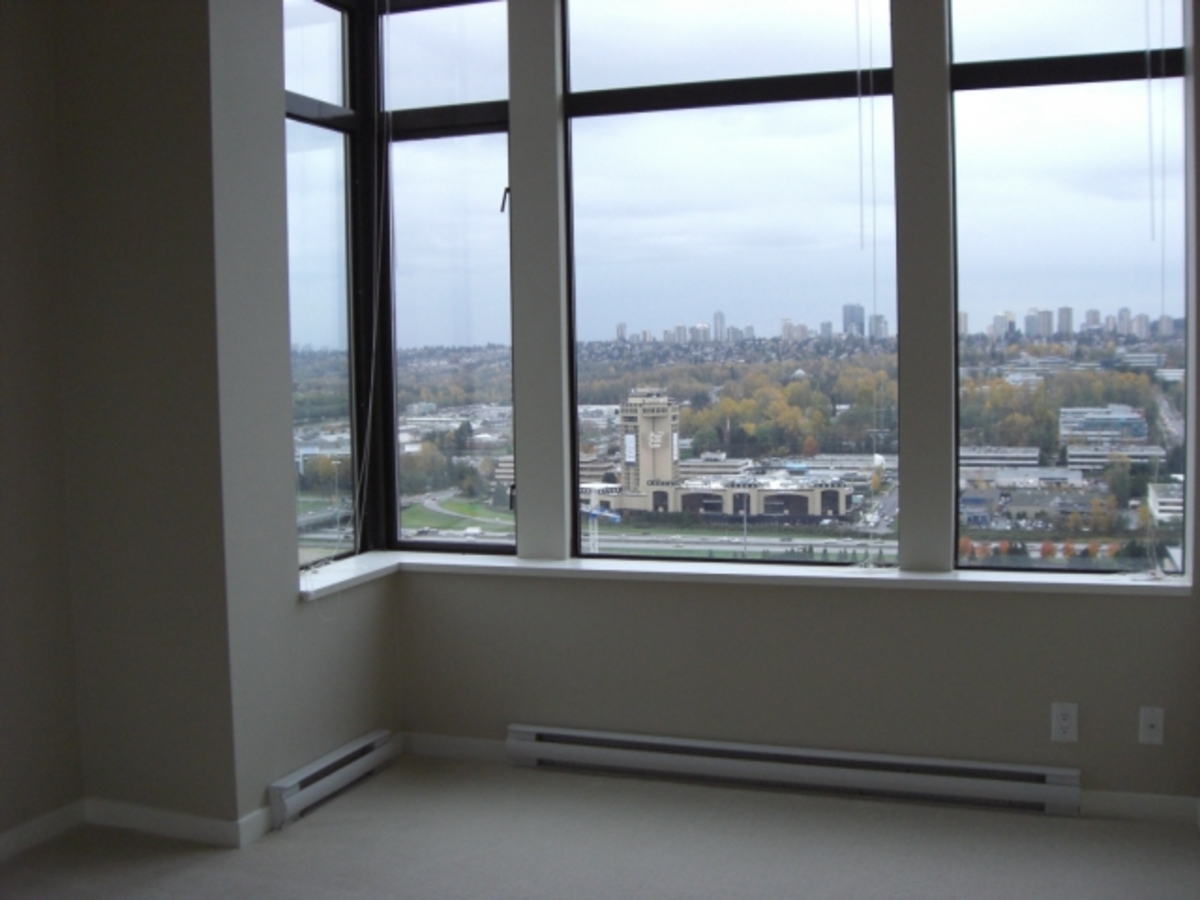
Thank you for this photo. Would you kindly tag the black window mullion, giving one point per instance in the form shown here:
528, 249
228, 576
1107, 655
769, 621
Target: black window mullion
732, 92
490, 117
1091, 68
317, 112
370, 308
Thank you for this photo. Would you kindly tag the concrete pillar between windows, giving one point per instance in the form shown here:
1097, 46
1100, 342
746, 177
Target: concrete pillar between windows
537, 171
925, 281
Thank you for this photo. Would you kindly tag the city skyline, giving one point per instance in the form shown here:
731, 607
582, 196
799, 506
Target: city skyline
1124, 322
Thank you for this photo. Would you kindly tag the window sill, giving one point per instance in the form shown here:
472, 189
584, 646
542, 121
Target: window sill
366, 567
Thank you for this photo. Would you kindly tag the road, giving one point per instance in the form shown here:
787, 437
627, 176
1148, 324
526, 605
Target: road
1171, 423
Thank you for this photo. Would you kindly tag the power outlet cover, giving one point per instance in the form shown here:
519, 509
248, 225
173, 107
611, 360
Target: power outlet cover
1064, 723
1150, 725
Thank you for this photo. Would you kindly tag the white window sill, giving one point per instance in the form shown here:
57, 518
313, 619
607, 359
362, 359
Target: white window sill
347, 573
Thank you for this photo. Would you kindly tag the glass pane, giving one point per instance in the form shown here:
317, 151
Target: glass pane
1015, 29
314, 51
318, 277
1072, 331
622, 43
438, 57
736, 318
453, 340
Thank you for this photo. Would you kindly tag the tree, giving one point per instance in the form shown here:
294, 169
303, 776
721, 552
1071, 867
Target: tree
1144, 517
965, 547
810, 446
1049, 550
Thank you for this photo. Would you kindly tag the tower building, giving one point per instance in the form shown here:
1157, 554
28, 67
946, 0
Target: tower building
650, 435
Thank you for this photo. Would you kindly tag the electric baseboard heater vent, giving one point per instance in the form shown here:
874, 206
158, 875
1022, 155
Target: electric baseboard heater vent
291, 795
1035, 788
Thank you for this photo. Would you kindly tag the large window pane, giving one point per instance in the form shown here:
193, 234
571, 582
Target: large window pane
1072, 330
1015, 29
622, 43
736, 314
438, 57
453, 340
314, 50
318, 285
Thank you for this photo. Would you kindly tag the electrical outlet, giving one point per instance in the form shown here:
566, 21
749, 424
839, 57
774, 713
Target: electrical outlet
1064, 723
1150, 725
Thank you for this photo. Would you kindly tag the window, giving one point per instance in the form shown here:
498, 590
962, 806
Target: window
445, 71
734, 282
658, 281
319, 279
1072, 337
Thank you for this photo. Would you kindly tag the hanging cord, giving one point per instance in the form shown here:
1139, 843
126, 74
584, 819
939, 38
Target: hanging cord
1162, 149
862, 226
874, 196
1150, 120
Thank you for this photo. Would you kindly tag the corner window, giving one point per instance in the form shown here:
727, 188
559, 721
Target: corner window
725, 217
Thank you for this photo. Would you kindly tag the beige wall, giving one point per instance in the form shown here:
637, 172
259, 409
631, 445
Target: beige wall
142, 406
928, 673
149, 562
39, 740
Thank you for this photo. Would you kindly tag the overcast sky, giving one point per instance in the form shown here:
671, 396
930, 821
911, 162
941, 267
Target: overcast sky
783, 210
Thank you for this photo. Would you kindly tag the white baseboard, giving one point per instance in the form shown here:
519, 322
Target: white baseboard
134, 817
1139, 807
44, 828
253, 826
447, 747
162, 822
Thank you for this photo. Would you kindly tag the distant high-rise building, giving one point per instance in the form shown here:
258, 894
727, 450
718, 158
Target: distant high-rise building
878, 328
1110, 324
1033, 324
962, 324
718, 326
1066, 320
1124, 320
1139, 326
1166, 327
735, 335
620, 331
1000, 327
748, 331
785, 330
681, 334
801, 332
1046, 322
826, 330
1091, 319
853, 319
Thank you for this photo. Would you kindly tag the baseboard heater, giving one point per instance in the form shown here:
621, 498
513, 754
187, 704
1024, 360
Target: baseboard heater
291, 795
1036, 788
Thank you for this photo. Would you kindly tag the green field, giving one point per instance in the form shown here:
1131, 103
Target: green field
420, 517
493, 518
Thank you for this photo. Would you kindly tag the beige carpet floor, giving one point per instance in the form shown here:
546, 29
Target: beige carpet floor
437, 829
